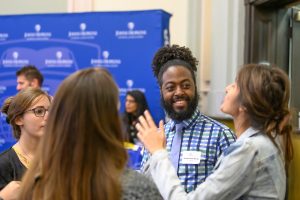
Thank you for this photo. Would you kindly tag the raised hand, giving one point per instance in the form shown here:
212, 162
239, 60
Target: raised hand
151, 136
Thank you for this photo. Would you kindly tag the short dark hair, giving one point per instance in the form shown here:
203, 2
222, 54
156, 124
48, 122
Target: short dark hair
31, 72
173, 55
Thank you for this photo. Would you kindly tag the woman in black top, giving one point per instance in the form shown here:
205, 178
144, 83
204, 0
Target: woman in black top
27, 114
135, 105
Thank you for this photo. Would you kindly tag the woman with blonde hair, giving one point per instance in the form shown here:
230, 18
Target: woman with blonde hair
81, 155
254, 166
27, 113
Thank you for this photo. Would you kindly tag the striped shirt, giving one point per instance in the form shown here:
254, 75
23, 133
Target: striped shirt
201, 134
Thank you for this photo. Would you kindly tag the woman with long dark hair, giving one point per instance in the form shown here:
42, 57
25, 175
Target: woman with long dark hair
135, 106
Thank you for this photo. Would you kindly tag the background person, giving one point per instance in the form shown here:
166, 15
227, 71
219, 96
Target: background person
27, 114
135, 105
254, 166
195, 148
29, 76
81, 155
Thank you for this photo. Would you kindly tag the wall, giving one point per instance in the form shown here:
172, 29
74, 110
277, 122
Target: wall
32, 6
178, 8
226, 36
294, 175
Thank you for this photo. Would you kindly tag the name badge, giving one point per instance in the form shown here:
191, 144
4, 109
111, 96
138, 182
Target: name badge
190, 157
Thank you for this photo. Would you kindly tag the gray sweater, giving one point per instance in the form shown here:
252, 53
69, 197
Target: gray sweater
136, 186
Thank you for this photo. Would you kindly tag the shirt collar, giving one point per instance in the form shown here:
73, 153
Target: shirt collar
248, 133
187, 122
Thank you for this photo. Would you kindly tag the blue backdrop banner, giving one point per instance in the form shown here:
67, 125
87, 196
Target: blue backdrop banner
59, 44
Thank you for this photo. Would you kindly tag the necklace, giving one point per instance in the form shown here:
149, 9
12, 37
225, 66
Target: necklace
23, 156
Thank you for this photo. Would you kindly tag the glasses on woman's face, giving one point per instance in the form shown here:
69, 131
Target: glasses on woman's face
38, 111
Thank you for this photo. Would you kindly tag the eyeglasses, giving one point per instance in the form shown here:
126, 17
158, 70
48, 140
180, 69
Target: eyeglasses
38, 111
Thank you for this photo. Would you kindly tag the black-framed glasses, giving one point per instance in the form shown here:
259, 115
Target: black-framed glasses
38, 111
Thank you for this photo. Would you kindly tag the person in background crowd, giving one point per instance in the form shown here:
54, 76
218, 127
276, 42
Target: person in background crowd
194, 141
81, 155
254, 166
29, 76
27, 114
135, 105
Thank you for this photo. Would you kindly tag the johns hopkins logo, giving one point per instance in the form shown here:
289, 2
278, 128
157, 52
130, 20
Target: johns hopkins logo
129, 84
38, 34
37, 28
131, 33
3, 36
83, 34
3, 88
12, 60
105, 55
106, 61
59, 61
82, 26
58, 55
15, 55
130, 25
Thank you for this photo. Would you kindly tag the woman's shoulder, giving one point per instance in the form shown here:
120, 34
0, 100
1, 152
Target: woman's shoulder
10, 167
257, 146
10, 160
136, 186
7, 155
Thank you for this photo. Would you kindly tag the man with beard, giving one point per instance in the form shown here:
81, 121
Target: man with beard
194, 141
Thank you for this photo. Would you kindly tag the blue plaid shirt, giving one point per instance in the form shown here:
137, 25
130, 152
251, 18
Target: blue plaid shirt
203, 134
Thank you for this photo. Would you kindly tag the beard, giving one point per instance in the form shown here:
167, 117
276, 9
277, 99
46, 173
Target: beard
183, 114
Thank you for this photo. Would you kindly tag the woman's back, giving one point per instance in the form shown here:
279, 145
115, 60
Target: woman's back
82, 154
270, 180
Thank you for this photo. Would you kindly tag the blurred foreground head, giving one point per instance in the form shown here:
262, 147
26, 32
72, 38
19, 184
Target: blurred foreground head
81, 155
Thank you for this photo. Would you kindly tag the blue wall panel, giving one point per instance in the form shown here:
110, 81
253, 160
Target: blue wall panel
59, 44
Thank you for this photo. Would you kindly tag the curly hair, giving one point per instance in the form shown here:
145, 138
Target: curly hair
173, 55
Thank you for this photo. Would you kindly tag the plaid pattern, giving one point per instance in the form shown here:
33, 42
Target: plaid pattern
202, 134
